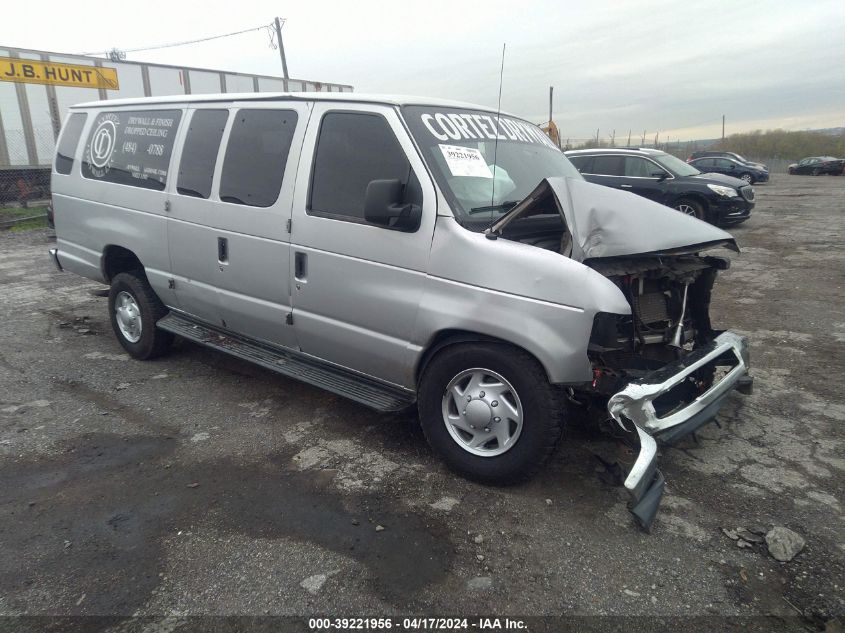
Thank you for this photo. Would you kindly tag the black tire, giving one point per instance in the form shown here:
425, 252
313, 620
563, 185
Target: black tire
696, 209
152, 342
817, 172
747, 178
541, 407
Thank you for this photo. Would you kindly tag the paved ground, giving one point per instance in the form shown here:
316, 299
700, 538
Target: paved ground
196, 484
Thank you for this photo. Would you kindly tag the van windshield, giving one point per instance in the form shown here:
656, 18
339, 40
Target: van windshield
459, 145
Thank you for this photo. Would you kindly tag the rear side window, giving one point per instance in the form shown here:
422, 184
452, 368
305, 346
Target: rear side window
582, 163
131, 147
353, 149
256, 155
607, 166
69, 142
199, 156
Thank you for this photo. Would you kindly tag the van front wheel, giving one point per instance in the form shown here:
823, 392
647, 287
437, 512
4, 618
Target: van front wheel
134, 309
489, 412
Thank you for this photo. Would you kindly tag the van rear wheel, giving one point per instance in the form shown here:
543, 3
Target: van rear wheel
489, 412
134, 309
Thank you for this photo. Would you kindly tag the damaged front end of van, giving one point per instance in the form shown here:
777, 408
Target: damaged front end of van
661, 371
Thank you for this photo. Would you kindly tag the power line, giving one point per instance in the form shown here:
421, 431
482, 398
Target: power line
197, 41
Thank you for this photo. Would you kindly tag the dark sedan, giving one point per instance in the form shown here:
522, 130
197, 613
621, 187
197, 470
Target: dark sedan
733, 155
818, 166
731, 167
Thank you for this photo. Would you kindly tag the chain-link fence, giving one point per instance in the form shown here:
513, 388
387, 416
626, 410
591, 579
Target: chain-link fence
24, 197
25, 175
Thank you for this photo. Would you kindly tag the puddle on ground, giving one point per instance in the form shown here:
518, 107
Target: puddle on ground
94, 518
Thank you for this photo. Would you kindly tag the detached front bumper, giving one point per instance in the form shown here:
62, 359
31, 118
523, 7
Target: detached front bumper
643, 404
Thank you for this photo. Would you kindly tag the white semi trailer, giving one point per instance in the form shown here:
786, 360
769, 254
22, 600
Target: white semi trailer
37, 88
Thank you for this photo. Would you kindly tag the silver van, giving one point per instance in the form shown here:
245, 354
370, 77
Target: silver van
402, 251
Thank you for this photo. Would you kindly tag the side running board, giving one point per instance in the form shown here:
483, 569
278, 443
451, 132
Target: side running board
362, 389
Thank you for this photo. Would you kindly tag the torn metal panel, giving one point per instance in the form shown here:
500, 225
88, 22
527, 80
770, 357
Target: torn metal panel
605, 222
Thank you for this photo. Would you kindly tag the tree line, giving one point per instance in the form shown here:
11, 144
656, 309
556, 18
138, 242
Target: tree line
757, 144
783, 144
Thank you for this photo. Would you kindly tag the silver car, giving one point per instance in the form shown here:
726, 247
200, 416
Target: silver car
402, 251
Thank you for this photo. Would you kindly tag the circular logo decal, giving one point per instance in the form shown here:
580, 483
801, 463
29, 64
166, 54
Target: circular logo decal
102, 144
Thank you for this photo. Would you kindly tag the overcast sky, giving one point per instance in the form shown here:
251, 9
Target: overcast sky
656, 65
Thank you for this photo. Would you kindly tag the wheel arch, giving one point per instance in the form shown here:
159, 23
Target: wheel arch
695, 197
118, 259
447, 338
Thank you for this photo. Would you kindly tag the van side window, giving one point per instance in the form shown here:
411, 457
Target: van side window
69, 142
352, 150
199, 156
256, 156
131, 147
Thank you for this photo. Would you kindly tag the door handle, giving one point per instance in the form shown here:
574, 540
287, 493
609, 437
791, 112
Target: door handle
222, 249
626, 186
300, 266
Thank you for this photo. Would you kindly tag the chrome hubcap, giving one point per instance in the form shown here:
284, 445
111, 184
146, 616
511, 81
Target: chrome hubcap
687, 209
128, 316
482, 412
746, 178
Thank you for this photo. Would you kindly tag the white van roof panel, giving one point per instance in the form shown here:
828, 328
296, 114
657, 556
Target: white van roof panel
351, 97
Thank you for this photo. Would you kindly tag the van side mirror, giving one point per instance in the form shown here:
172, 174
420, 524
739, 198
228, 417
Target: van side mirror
660, 175
384, 206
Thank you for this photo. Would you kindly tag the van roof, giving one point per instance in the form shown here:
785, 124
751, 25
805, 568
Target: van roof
351, 97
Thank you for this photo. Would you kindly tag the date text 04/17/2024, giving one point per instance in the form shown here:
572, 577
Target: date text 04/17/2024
416, 624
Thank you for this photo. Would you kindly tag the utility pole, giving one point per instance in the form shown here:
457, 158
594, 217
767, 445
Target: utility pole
597, 137
551, 92
613, 139
282, 53
643, 145
723, 127
629, 138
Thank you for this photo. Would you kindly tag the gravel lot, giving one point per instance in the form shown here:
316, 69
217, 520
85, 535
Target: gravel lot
200, 485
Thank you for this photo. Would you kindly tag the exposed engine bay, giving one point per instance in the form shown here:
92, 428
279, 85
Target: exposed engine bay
662, 371
670, 316
669, 297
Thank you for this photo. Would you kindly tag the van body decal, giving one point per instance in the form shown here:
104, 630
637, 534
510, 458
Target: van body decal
131, 148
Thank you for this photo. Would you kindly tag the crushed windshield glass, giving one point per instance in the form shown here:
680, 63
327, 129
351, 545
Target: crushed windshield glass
459, 147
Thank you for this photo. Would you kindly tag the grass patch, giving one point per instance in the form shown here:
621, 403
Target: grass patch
11, 213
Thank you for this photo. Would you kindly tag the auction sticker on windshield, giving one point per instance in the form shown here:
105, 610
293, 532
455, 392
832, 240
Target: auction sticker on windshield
465, 161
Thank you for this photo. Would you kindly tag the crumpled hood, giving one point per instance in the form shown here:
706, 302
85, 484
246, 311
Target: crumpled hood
606, 222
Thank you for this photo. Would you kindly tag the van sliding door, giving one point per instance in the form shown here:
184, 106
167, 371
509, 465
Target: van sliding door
233, 246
